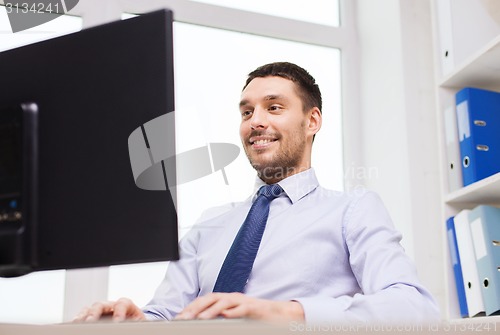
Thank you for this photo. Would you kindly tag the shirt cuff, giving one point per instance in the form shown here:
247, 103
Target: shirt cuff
154, 313
318, 310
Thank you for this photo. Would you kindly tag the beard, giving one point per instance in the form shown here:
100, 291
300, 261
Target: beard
285, 159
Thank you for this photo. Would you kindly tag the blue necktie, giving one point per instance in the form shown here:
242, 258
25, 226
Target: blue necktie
238, 264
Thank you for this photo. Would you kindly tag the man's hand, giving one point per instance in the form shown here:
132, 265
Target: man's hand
120, 310
237, 305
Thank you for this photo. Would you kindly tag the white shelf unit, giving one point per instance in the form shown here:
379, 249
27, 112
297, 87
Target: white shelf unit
482, 69
479, 68
485, 192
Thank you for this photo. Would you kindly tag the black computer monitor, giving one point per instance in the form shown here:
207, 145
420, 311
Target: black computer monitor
68, 196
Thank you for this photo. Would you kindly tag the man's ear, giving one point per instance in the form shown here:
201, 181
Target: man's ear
315, 120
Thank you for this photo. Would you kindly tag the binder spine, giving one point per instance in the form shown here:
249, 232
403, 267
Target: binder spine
457, 267
465, 246
478, 118
485, 231
467, 152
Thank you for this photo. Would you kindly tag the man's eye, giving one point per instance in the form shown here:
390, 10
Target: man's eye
246, 113
274, 108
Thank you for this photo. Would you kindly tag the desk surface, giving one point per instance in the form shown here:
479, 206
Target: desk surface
212, 327
244, 327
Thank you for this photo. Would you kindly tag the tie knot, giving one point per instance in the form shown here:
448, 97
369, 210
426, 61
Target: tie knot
271, 191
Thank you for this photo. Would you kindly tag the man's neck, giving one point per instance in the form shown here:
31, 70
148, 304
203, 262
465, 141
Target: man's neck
275, 175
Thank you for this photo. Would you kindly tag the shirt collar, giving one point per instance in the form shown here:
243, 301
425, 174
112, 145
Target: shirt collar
296, 186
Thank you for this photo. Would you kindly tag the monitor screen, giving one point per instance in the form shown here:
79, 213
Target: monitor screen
68, 108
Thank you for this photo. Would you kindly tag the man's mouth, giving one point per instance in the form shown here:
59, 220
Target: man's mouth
261, 141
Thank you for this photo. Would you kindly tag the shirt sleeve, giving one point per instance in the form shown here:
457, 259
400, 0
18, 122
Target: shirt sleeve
180, 285
391, 291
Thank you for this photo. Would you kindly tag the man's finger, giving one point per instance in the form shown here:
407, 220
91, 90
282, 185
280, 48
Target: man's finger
239, 311
217, 308
125, 309
120, 311
211, 306
100, 309
197, 306
82, 315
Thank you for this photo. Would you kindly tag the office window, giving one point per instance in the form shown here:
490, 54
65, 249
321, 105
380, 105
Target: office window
316, 11
211, 66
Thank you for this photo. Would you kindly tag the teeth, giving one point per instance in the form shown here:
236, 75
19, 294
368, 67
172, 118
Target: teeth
259, 142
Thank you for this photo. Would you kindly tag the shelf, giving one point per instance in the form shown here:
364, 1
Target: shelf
470, 30
485, 191
482, 70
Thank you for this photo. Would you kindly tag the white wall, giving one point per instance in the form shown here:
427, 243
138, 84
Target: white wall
398, 126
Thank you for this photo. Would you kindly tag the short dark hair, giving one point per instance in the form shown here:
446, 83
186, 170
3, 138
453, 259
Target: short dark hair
307, 88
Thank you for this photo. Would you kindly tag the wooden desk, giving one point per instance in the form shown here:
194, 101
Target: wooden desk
243, 327
214, 327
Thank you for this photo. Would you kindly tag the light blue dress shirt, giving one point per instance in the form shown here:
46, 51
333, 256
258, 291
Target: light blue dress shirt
336, 253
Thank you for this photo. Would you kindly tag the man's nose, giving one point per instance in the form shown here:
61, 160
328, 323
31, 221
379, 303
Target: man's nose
259, 118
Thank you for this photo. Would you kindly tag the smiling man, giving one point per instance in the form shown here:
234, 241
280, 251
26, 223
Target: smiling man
293, 250
277, 127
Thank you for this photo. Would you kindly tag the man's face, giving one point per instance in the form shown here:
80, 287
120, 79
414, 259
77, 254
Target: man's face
273, 128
